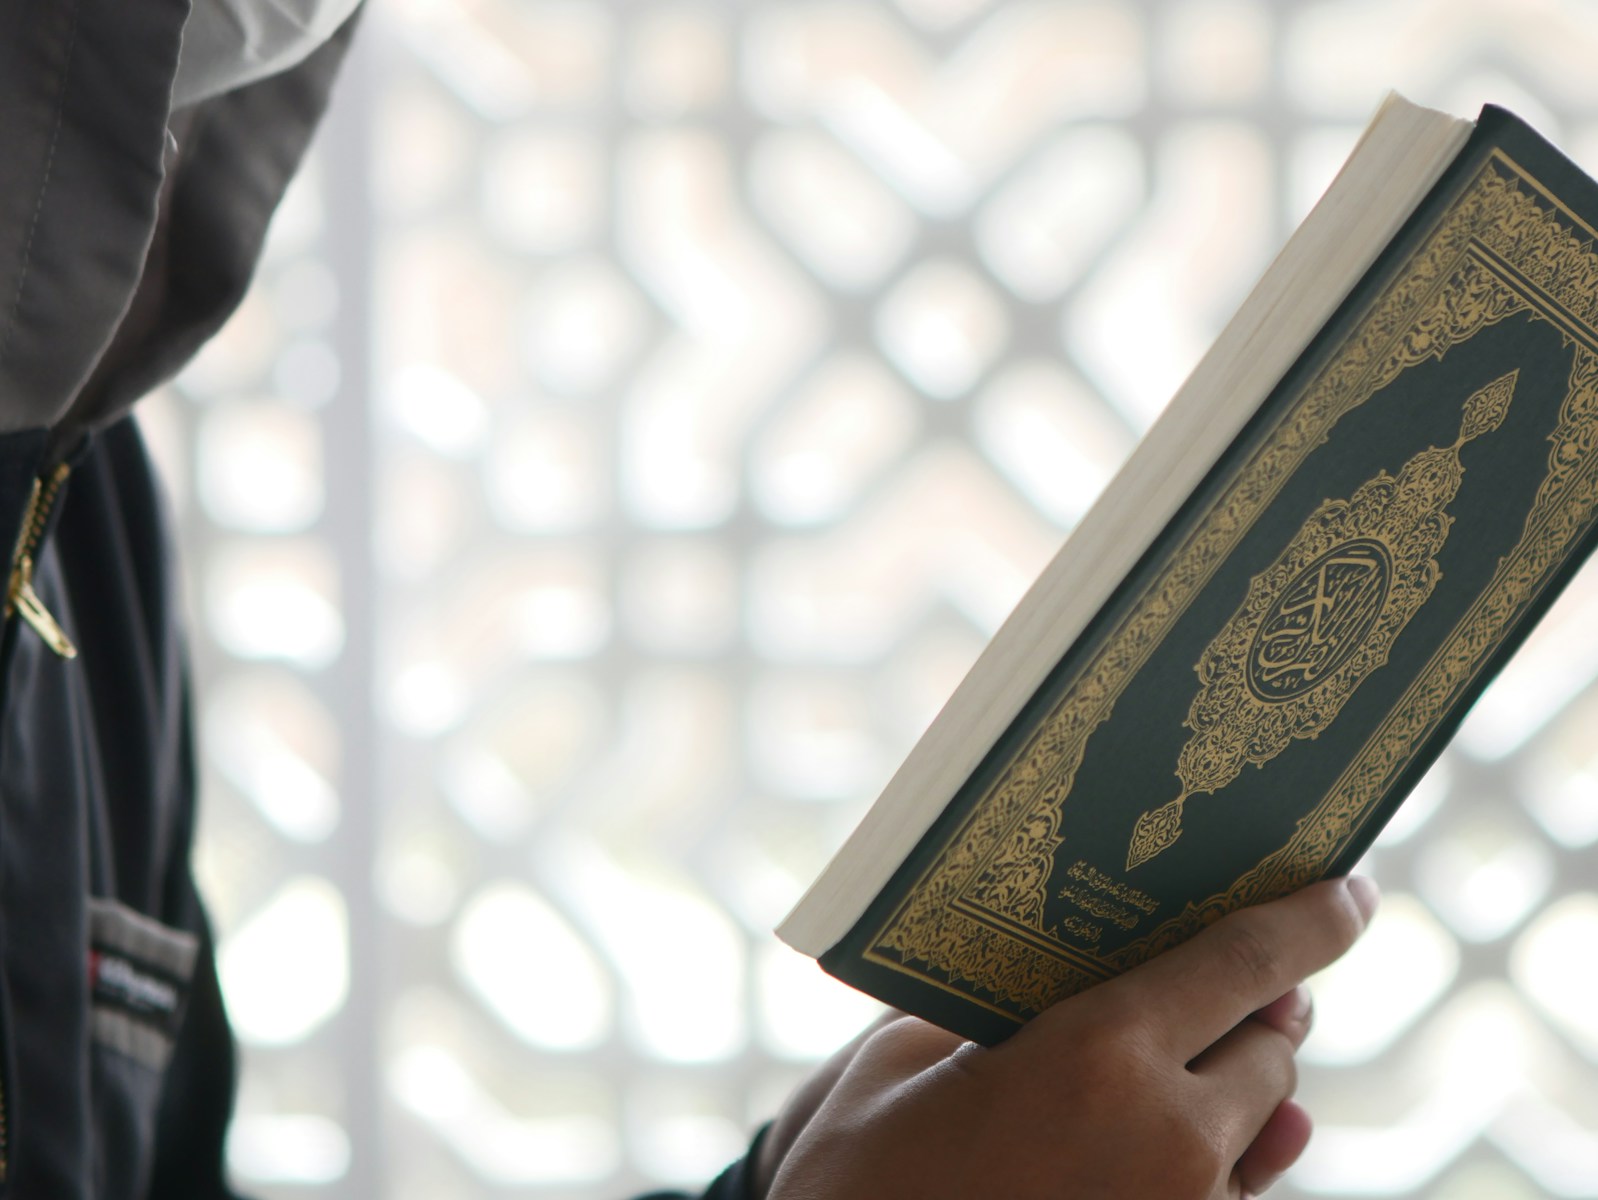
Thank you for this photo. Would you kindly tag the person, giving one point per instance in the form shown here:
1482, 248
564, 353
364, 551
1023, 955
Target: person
142, 152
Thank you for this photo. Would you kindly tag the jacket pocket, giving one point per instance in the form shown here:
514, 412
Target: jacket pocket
139, 977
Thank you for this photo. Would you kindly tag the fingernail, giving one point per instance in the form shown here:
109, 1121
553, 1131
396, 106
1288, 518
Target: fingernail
1366, 895
1303, 1003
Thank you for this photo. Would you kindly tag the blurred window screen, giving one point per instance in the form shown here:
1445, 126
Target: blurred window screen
643, 415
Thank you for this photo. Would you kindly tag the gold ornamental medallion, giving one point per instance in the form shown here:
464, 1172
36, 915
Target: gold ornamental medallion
1319, 620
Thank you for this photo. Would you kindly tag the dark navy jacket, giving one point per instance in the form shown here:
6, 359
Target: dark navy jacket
118, 1066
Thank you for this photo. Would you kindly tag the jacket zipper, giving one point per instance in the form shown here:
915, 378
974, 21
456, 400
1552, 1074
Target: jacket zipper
22, 600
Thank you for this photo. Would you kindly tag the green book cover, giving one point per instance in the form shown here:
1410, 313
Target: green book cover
1298, 645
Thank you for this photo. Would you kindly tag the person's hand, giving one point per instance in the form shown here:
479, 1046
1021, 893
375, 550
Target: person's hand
1290, 1014
1156, 1085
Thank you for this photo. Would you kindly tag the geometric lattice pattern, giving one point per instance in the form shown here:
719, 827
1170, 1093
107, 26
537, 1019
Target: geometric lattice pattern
643, 416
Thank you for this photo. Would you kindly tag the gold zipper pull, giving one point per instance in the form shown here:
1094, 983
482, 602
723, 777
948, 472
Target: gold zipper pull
24, 601
21, 599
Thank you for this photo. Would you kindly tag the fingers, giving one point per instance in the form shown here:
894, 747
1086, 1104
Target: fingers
1193, 994
1274, 1150
805, 1102
1247, 1075
1291, 1015
1250, 1076
904, 1047
873, 1078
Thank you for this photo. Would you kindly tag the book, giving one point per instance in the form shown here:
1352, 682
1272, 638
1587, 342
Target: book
1271, 622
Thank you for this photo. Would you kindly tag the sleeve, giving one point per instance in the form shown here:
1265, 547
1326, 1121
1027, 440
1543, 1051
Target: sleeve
735, 1183
197, 1102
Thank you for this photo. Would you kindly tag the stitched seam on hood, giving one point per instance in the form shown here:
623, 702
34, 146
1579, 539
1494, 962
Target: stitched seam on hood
44, 186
